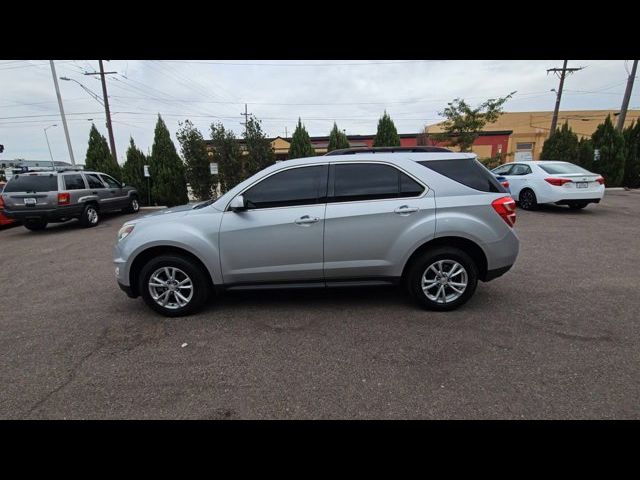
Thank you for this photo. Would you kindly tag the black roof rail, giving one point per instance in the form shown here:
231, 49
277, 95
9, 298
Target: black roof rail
352, 151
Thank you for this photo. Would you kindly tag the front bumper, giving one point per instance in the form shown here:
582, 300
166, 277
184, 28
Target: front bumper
128, 290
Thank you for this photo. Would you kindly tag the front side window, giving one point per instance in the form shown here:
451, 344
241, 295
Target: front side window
93, 181
74, 182
372, 181
297, 186
113, 183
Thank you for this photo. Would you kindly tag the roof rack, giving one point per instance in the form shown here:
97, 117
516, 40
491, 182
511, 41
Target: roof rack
352, 151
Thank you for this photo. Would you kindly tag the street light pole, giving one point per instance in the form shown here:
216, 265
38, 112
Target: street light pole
64, 119
53, 165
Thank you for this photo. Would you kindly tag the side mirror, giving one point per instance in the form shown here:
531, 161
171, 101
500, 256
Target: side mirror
124, 184
237, 204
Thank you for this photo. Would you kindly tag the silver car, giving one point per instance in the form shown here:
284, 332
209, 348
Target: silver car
436, 221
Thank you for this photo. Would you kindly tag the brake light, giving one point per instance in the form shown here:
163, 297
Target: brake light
558, 182
506, 208
1, 202
600, 180
505, 184
64, 198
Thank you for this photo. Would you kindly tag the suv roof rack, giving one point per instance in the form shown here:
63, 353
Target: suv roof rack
352, 151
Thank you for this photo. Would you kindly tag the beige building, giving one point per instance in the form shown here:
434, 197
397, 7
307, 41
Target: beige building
529, 130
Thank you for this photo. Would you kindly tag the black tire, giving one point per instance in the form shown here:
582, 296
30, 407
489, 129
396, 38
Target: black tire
446, 254
134, 205
90, 216
527, 199
35, 225
199, 280
577, 205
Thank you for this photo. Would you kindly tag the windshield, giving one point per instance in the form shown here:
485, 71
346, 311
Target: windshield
32, 183
563, 167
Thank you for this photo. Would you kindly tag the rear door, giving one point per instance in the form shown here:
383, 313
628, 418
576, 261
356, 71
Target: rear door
519, 177
375, 212
98, 188
74, 184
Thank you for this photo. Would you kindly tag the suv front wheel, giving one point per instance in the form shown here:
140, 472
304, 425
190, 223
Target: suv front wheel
173, 285
443, 278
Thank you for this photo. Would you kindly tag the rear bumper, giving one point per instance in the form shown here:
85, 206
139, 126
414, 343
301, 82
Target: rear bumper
562, 195
578, 200
50, 215
495, 273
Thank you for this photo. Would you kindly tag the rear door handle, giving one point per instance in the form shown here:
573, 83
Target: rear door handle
406, 210
307, 220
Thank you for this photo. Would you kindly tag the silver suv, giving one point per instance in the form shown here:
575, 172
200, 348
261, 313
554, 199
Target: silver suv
38, 198
435, 220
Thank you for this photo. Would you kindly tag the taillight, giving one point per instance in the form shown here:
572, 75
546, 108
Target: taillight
1, 202
600, 180
505, 184
558, 182
64, 198
506, 208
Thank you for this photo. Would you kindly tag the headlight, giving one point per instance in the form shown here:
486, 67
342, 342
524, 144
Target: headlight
124, 231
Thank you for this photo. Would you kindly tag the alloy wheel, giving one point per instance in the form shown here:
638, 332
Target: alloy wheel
170, 287
444, 281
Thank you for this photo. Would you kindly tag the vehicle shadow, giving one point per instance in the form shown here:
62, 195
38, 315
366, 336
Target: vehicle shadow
560, 209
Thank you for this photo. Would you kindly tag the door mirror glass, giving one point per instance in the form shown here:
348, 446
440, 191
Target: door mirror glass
237, 204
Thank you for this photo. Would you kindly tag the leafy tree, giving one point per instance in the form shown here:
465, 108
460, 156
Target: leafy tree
301, 143
463, 123
585, 154
632, 153
168, 184
423, 137
133, 171
610, 142
99, 157
337, 139
227, 154
561, 145
258, 147
386, 135
196, 161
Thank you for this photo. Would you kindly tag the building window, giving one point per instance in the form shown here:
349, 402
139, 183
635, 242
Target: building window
524, 146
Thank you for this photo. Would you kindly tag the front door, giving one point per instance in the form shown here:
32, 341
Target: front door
118, 196
518, 177
279, 237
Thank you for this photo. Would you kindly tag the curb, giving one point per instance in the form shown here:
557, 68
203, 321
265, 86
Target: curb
152, 208
614, 188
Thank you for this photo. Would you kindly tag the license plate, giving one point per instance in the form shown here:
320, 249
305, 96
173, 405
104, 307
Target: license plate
582, 184
29, 201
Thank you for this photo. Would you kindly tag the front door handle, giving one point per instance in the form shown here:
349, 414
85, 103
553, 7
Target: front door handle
307, 220
406, 210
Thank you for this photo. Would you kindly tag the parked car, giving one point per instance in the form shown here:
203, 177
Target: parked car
563, 183
38, 198
436, 221
4, 220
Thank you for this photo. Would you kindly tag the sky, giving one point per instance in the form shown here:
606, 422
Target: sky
352, 93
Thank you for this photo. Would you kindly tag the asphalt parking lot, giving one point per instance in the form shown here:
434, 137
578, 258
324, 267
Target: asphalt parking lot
557, 337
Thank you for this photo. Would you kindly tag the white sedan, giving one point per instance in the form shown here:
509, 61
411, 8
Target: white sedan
545, 181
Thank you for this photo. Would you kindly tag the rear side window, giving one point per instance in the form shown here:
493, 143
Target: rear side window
354, 182
93, 181
467, 171
74, 182
32, 183
297, 186
560, 168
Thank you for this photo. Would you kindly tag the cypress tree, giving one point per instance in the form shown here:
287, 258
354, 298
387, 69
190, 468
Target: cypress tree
133, 171
585, 154
610, 142
337, 139
561, 145
301, 143
168, 184
99, 157
227, 154
631, 177
196, 161
387, 135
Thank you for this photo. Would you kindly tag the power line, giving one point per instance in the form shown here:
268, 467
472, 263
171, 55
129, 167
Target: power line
267, 64
563, 72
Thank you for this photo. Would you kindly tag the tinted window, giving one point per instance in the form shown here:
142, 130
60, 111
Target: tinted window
520, 170
93, 181
110, 181
560, 168
503, 170
467, 171
372, 181
32, 183
74, 182
298, 186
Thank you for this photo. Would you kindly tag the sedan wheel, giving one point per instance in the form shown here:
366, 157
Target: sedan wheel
528, 200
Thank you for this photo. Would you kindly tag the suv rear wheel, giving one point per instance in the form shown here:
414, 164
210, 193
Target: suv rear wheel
90, 216
443, 278
134, 205
173, 285
35, 225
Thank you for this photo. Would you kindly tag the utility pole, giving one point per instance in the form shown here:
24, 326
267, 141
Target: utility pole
102, 74
285, 132
627, 96
246, 118
64, 119
563, 72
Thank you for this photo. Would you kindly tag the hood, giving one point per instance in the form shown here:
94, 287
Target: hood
167, 214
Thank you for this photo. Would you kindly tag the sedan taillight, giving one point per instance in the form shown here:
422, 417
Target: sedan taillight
600, 180
505, 184
506, 208
558, 182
